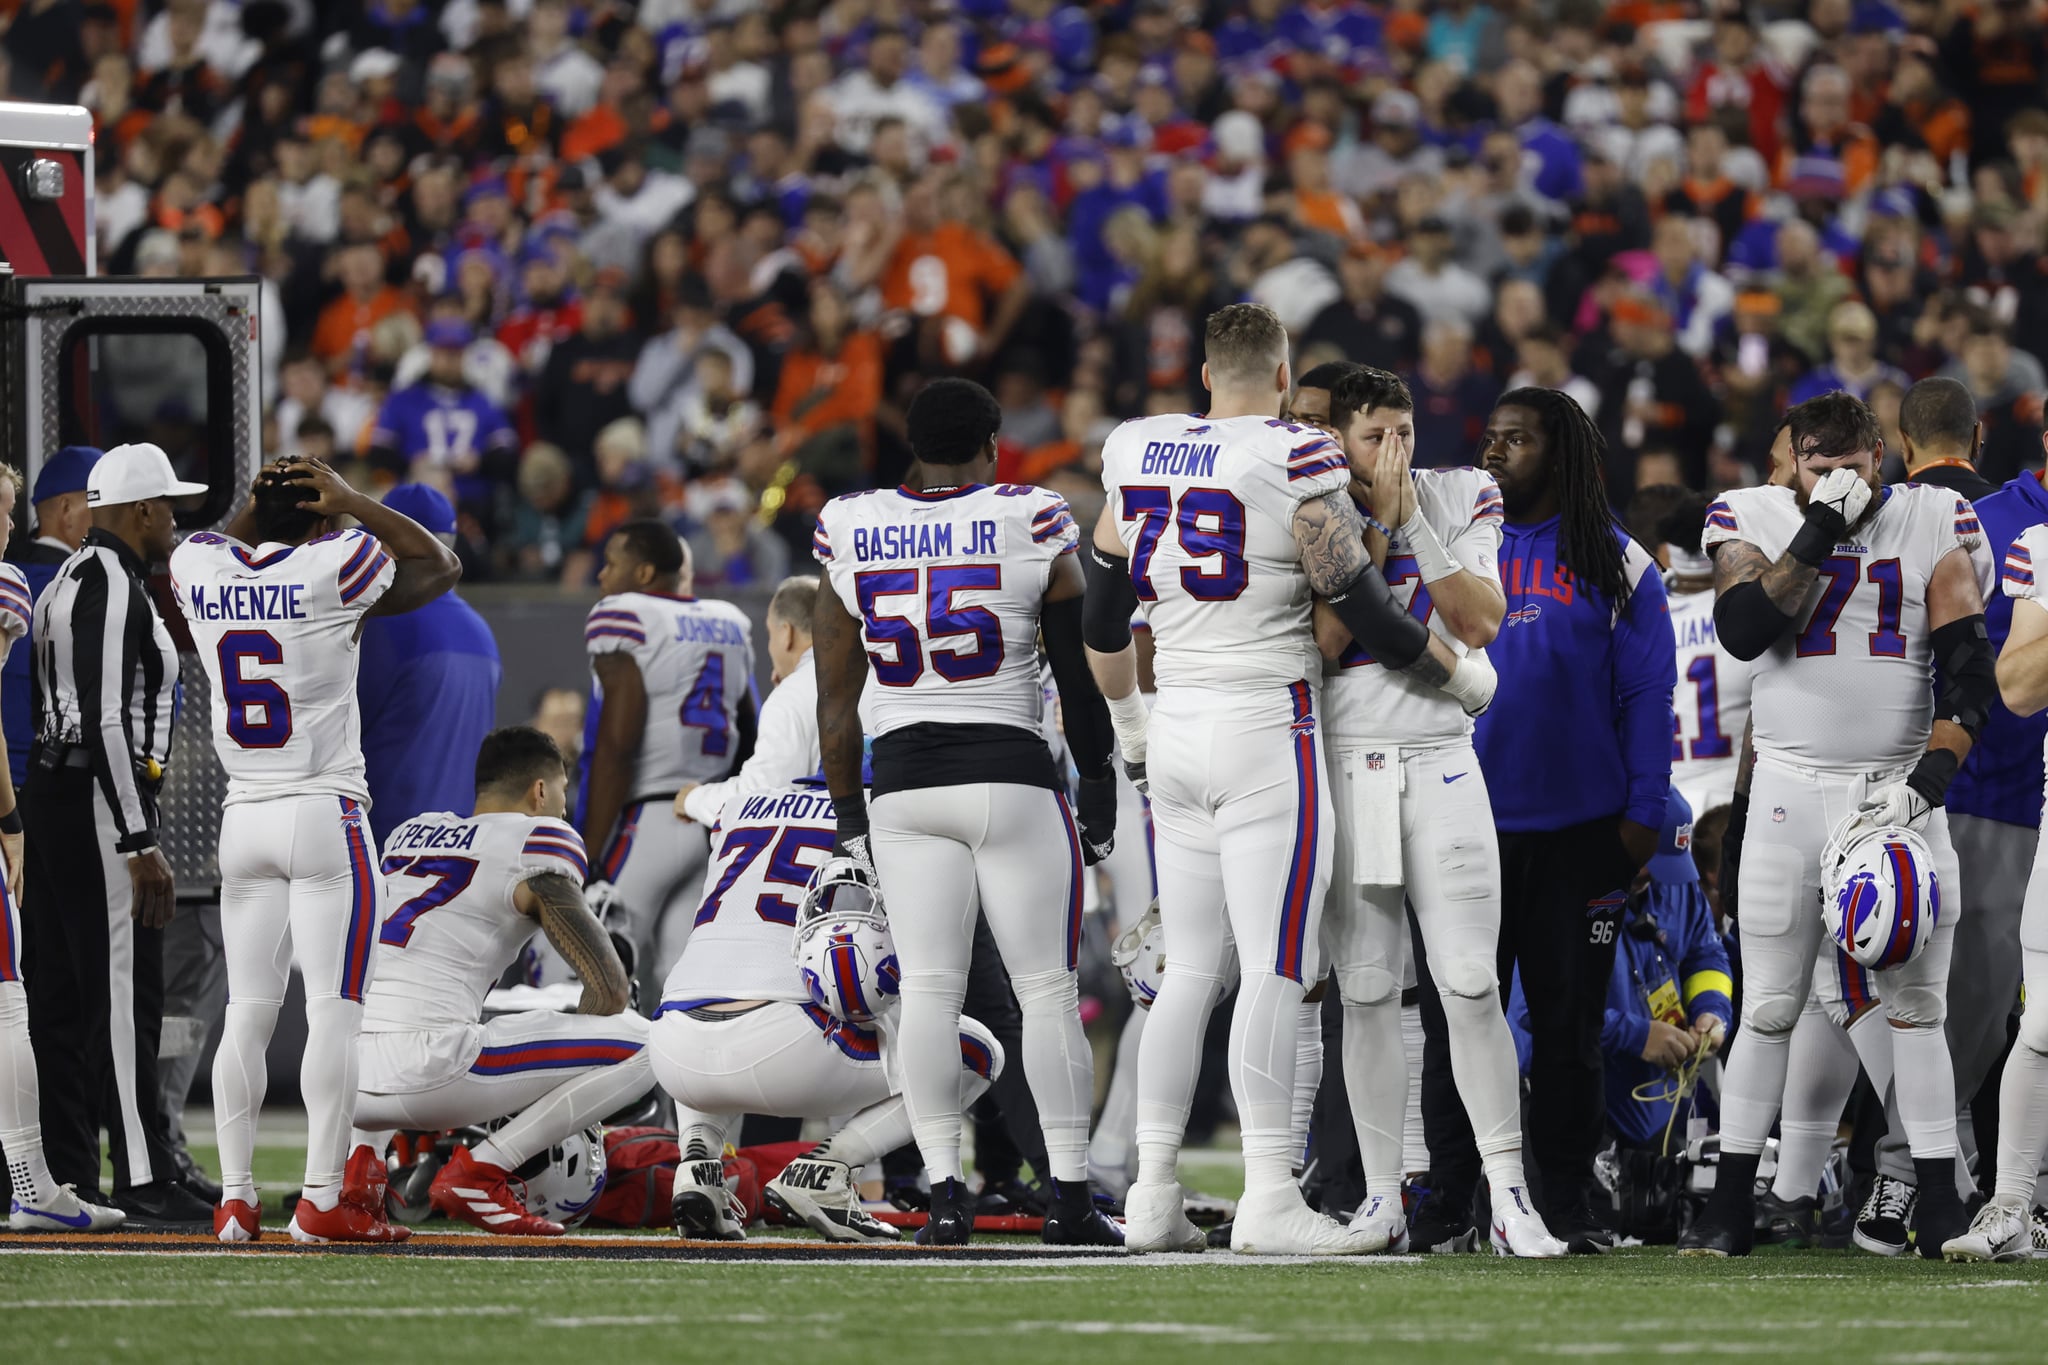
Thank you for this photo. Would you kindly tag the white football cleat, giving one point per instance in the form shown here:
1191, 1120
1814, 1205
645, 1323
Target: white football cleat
66, 1212
1999, 1232
1155, 1220
1518, 1230
820, 1194
1279, 1222
702, 1208
1383, 1217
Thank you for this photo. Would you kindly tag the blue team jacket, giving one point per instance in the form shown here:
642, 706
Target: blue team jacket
39, 565
1581, 726
428, 688
2001, 779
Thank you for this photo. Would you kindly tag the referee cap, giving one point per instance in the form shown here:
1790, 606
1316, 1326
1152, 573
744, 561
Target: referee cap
135, 473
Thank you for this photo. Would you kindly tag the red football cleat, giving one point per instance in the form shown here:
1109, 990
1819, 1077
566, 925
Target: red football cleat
236, 1221
342, 1223
480, 1194
364, 1182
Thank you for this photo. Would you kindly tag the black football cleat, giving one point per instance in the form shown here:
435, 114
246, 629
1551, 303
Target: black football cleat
1787, 1222
1939, 1216
163, 1206
1711, 1237
951, 1220
1011, 1198
1072, 1220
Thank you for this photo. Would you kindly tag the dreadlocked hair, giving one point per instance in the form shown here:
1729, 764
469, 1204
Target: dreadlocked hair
1586, 542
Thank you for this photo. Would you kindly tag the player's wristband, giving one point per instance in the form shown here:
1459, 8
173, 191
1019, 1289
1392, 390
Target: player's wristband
10, 823
1932, 774
1473, 682
1432, 560
1128, 717
850, 814
1817, 535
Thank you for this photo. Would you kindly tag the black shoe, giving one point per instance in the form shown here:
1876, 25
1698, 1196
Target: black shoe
1886, 1216
1582, 1230
1219, 1236
163, 1206
1787, 1222
1711, 1235
906, 1194
195, 1179
1938, 1215
1440, 1228
1074, 1221
1011, 1198
951, 1220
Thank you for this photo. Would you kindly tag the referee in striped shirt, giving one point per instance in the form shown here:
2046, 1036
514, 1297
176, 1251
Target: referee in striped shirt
99, 889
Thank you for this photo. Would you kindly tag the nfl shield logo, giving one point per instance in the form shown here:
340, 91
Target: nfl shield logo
1375, 762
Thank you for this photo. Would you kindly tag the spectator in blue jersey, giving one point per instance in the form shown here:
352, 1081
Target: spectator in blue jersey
62, 519
445, 429
1577, 755
427, 685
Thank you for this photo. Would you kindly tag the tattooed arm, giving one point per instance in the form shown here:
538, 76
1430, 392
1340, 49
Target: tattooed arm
557, 903
1331, 537
1755, 598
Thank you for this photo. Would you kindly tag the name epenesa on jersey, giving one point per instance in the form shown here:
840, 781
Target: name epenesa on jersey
247, 602
431, 836
924, 540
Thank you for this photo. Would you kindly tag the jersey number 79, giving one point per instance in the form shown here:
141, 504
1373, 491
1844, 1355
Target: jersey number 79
1209, 523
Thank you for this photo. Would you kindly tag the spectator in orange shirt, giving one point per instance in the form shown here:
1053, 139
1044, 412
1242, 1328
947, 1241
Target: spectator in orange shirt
829, 388
1824, 129
1317, 207
1919, 111
342, 338
944, 268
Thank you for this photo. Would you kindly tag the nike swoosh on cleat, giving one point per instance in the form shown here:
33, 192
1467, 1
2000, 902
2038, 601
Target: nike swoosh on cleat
1452, 778
83, 1219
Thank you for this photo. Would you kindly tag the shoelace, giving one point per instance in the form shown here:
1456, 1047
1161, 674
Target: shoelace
1889, 1198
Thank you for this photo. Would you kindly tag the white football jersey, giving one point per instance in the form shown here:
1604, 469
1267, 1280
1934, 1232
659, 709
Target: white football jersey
1205, 510
276, 629
1361, 699
1850, 684
947, 587
1710, 706
450, 928
742, 944
17, 607
696, 659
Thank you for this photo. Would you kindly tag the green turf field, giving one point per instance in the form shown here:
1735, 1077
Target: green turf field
312, 1307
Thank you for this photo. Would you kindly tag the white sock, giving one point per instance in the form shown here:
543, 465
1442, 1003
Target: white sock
1169, 1056
701, 1135
327, 1084
2022, 1122
569, 1108
239, 1080
1308, 1076
1489, 1083
1925, 1082
928, 1041
1059, 1065
1116, 1132
1263, 1029
1376, 1078
21, 1129
1414, 1137
1871, 1033
869, 1135
1820, 1071
1752, 1088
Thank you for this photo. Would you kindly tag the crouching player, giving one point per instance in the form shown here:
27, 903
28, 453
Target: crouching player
740, 1030
465, 896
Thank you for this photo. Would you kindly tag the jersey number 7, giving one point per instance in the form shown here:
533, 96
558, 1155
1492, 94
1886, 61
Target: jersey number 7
1209, 523
450, 878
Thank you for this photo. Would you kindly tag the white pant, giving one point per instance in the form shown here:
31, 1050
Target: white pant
558, 1072
935, 848
2023, 1088
657, 862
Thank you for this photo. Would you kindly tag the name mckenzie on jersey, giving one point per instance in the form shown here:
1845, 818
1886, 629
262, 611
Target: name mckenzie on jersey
924, 540
247, 602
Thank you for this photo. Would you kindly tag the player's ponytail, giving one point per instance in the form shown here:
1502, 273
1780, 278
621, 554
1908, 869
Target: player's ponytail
1586, 543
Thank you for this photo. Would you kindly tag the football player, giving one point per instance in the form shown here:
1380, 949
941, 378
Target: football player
1711, 702
673, 677
466, 892
2002, 1230
737, 1031
949, 583
1846, 594
1414, 826
1223, 525
276, 608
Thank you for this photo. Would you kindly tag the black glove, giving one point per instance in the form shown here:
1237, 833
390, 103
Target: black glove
1731, 852
1136, 772
851, 816
1097, 818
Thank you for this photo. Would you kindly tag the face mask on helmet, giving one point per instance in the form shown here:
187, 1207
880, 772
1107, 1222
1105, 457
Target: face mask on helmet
843, 947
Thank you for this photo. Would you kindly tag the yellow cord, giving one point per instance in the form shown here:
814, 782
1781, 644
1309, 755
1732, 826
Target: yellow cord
1676, 1087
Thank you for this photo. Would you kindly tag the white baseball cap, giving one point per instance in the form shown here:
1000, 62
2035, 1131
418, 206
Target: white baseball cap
135, 473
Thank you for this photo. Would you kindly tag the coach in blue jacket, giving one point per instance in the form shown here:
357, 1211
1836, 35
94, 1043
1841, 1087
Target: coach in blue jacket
62, 519
1577, 755
428, 688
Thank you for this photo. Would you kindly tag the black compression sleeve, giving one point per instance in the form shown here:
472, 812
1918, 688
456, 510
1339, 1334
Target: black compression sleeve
1369, 610
1111, 598
1082, 709
1747, 621
1968, 672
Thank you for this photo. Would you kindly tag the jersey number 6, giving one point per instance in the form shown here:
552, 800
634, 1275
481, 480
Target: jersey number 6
259, 714
1210, 525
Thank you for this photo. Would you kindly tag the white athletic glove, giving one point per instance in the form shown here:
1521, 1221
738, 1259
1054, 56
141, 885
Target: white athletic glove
603, 900
1897, 804
1473, 682
1843, 492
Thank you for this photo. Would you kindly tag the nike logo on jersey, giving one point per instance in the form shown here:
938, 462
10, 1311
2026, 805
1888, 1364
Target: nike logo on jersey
1452, 778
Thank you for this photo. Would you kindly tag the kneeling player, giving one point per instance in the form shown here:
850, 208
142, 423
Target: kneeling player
738, 1031
466, 895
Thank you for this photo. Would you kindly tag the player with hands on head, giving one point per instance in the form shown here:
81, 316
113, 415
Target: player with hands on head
1847, 594
276, 607
943, 588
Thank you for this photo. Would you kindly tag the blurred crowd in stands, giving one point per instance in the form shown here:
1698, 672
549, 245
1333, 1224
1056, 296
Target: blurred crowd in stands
576, 261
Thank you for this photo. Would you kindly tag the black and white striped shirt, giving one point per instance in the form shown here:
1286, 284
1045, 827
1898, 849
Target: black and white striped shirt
106, 676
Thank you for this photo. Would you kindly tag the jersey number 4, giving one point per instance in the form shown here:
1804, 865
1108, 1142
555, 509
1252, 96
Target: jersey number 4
904, 661
786, 867
704, 707
1209, 523
259, 714
1840, 575
450, 878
